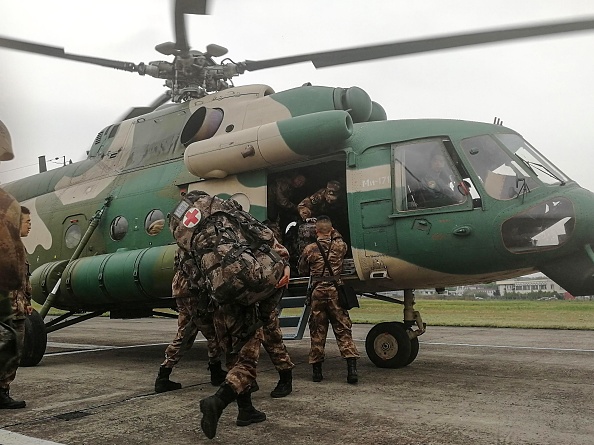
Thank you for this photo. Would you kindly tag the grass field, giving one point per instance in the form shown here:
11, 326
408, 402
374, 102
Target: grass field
555, 314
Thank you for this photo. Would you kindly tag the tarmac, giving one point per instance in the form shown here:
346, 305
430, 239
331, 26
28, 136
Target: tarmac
467, 386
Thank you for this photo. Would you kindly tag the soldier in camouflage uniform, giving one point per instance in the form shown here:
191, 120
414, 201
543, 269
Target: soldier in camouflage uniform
12, 271
193, 316
326, 201
282, 208
277, 351
325, 308
238, 327
20, 300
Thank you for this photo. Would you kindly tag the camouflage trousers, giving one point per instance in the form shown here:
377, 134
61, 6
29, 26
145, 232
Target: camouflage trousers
9, 374
232, 322
189, 322
323, 313
274, 345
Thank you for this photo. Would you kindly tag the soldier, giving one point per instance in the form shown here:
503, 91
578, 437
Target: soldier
20, 300
323, 202
12, 272
281, 205
197, 222
193, 316
277, 351
324, 299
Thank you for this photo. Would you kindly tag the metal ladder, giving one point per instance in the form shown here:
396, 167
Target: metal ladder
294, 297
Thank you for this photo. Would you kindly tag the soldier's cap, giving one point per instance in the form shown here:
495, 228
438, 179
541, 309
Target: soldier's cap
333, 187
323, 218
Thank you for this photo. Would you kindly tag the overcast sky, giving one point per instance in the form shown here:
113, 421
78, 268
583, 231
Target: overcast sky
542, 88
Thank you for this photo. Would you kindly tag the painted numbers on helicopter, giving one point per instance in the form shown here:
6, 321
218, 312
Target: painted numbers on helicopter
375, 182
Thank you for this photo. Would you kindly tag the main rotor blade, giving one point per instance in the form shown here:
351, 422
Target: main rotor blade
395, 49
139, 111
59, 53
185, 7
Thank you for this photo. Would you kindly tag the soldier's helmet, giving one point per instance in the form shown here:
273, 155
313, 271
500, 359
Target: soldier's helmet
6, 153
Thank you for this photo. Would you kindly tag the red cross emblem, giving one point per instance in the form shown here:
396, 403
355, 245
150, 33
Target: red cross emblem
192, 217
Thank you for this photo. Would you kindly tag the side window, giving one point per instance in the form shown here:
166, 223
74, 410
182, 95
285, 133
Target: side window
119, 228
425, 172
72, 236
154, 222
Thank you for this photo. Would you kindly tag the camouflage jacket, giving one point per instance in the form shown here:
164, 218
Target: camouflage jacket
188, 281
280, 195
12, 257
316, 205
312, 262
20, 299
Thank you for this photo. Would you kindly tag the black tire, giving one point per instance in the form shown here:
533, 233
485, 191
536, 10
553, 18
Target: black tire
414, 346
35, 340
388, 346
414, 350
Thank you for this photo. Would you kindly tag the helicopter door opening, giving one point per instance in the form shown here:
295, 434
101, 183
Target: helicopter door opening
307, 183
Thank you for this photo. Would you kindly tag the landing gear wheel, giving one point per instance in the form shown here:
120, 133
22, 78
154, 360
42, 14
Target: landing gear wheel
414, 346
414, 350
388, 346
35, 340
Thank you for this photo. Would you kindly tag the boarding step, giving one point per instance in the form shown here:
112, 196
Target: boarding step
294, 297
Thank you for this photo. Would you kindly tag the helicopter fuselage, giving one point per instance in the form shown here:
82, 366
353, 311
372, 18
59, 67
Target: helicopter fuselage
496, 216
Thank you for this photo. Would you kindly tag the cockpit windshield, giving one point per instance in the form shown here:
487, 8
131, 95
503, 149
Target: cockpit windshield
503, 175
543, 169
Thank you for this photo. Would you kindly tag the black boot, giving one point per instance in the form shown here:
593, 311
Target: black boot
247, 413
7, 402
284, 387
217, 373
317, 372
212, 407
352, 370
163, 384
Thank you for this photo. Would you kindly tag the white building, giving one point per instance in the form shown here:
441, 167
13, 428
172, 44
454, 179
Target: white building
528, 285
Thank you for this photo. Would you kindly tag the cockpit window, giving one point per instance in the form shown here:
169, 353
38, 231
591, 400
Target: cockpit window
502, 176
541, 167
424, 170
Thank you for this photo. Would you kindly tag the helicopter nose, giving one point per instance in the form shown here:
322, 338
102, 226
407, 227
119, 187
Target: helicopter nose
574, 271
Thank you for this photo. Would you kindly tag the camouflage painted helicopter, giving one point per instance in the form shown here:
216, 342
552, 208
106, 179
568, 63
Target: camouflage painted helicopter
430, 203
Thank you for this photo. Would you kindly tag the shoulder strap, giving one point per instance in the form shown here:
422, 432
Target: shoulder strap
325, 257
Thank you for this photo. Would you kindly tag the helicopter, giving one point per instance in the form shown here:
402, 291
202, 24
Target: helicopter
500, 209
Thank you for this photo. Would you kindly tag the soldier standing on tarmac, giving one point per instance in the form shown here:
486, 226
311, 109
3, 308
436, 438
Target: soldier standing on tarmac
193, 316
12, 272
20, 300
325, 308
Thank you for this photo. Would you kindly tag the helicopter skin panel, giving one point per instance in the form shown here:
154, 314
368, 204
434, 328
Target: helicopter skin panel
400, 274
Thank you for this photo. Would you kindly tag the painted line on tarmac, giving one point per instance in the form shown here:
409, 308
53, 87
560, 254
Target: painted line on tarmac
10, 438
536, 348
90, 348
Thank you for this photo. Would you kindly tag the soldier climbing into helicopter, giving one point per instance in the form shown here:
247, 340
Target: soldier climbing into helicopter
245, 270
